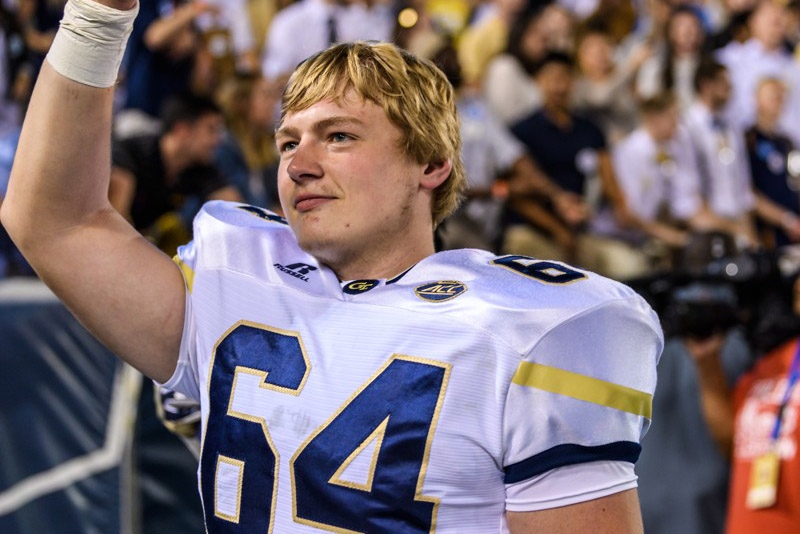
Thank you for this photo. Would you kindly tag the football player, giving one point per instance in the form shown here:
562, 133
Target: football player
350, 379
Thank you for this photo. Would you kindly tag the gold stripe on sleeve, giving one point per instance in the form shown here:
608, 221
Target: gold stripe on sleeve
584, 388
188, 273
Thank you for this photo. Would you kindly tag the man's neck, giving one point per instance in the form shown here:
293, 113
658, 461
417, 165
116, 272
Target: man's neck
559, 115
709, 104
767, 125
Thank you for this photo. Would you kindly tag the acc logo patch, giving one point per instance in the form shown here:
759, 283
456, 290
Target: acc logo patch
440, 291
359, 286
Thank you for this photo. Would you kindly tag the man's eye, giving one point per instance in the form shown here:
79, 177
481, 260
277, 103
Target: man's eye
338, 137
287, 146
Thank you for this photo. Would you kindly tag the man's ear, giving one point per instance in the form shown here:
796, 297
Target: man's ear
436, 173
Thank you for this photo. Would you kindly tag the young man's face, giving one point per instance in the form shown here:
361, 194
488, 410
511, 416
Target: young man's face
662, 124
721, 90
345, 185
203, 136
555, 82
770, 98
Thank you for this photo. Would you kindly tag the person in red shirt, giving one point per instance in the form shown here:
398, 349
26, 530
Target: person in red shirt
765, 481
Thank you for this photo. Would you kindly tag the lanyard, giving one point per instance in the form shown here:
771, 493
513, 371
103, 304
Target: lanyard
794, 374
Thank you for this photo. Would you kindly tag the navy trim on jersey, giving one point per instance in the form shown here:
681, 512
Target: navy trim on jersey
571, 454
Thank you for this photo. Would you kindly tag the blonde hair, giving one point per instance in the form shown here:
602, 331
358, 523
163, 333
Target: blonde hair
413, 92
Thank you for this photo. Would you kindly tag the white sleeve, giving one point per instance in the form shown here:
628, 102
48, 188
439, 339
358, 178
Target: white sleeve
582, 395
556, 487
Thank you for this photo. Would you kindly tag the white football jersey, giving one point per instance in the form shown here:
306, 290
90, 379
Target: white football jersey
469, 385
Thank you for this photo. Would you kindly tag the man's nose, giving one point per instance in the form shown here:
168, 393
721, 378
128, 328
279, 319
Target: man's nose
305, 162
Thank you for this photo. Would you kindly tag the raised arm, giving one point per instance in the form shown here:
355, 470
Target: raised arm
57, 210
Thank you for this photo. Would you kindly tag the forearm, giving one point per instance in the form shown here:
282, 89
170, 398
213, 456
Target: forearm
161, 32
526, 178
716, 404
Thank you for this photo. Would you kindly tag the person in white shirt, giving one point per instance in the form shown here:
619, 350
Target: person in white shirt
350, 378
309, 26
763, 55
509, 86
657, 172
721, 153
672, 68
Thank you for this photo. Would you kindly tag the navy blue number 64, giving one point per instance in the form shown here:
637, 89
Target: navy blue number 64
395, 412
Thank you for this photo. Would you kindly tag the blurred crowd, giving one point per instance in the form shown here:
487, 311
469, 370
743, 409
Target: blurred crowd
606, 133
629, 137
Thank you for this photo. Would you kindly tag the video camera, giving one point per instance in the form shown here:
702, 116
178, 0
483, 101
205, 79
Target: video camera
716, 288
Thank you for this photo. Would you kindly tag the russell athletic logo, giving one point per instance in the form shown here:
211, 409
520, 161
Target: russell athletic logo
440, 291
298, 270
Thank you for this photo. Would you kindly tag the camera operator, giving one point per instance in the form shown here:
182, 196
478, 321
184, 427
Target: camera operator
717, 310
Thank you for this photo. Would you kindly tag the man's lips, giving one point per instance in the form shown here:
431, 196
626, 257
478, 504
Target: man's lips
305, 203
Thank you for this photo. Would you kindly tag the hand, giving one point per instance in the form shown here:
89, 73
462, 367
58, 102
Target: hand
625, 218
201, 7
705, 350
571, 208
791, 225
565, 239
639, 55
673, 237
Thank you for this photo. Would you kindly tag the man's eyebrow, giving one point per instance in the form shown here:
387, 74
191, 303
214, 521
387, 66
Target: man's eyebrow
330, 122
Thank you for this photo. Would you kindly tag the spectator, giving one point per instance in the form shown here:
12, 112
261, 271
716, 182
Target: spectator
226, 45
572, 151
486, 38
420, 30
558, 27
764, 54
769, 151
603, 91
247, 155
618, 17
509, 85
161, 53
673, 67
310, 26
657, 172
158, 181
721, 154
38, 20
490, 151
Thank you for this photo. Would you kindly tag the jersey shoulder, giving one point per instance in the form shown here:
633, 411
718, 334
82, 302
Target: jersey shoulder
523, 299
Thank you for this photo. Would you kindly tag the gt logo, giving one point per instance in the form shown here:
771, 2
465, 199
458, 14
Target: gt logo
359, 286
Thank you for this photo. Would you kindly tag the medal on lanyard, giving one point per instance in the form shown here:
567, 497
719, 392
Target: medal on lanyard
725, 152
763, 490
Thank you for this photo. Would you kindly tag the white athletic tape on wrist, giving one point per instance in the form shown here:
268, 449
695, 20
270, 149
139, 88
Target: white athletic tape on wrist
90, 42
